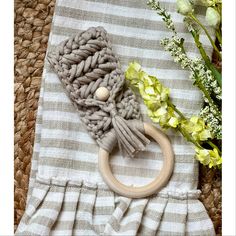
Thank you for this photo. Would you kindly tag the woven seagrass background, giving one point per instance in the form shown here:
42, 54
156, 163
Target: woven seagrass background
32, 26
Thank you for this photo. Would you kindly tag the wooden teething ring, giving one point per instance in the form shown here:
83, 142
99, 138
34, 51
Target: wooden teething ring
155, 186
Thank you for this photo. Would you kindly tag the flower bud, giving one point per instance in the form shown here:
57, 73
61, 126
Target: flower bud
212, 17
184, 7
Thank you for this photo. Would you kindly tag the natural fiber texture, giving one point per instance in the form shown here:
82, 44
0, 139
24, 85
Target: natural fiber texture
210, 182
86, 62
32, 26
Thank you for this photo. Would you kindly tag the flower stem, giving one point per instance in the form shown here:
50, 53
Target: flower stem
185, 134
218, 36
169, 103
181, 130
211, 67
188, 137
207, 34
214, 146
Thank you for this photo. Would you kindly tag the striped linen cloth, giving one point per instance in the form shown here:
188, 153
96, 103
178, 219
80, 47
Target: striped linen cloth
67, 195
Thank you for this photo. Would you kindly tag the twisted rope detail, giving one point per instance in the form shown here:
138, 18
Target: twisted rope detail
86, 62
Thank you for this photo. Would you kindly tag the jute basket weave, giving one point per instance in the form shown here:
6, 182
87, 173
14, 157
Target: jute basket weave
32, 26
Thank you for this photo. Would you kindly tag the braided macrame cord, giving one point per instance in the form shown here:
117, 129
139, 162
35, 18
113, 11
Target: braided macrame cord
85, 63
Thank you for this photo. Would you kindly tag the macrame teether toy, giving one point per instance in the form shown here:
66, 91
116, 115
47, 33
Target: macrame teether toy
90, 72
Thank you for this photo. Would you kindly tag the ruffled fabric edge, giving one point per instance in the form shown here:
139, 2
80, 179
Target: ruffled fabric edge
66, 207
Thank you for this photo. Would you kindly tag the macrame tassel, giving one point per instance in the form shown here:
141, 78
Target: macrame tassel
129, 137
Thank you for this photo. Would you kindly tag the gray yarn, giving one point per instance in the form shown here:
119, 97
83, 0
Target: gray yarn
86, 62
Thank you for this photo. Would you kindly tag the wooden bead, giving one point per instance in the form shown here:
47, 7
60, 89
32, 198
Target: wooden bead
102, 94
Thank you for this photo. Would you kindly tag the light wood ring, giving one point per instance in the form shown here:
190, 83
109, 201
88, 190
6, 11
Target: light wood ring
155, 186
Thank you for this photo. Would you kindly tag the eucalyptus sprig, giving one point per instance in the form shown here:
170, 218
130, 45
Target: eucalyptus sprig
162, 111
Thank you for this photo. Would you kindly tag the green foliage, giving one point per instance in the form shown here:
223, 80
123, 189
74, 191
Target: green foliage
202, 72
162, 111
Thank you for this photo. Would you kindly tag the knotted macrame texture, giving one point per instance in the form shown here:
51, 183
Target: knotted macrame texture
86, 62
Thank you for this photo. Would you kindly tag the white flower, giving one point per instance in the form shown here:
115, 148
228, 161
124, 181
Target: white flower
206, 3
184, 7
212, 17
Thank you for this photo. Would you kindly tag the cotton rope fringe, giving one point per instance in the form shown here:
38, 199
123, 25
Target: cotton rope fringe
85, 63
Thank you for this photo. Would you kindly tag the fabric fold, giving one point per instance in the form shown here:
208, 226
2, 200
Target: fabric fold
61, 207
67, 215
45, 209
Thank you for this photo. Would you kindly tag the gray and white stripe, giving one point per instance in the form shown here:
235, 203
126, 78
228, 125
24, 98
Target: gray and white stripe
67, 195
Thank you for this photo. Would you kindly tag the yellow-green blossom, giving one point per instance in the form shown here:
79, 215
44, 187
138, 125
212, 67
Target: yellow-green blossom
154, 94
173, 122
208, 157
197, 128
162, 111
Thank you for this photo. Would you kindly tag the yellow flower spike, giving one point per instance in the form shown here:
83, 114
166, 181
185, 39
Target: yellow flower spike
197, 128
219, 162
165, 94
154, 94
203, 156
132, 72
148, 79
173, 122
194, 119
161, 110
164, 120
149, 90
209, 157
205, 135
188, 127
136, 66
